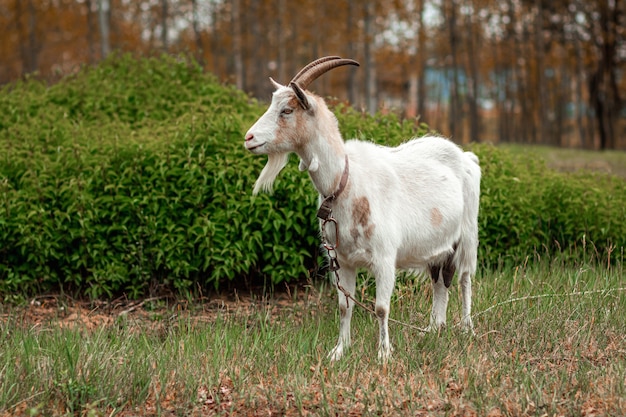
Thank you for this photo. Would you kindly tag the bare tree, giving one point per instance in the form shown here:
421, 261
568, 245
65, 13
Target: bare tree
421, 60
237, 44
472, 75
103, 19
91, 28
30, 45
196, 32
281, 30
164, 26
255, 51
554, 69
417, 64
454, 111
370, 67
603, 91
578, 76
216, 43
351, 50
541, 99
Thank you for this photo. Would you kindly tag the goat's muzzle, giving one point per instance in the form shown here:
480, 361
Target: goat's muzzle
250, 143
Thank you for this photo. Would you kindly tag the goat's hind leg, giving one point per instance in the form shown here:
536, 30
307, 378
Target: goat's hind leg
467, 268
465, 282
347, 280
441, 276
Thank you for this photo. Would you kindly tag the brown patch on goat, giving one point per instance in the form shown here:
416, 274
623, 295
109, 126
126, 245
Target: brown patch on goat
291, 134
361, 217
436, 218
361, 211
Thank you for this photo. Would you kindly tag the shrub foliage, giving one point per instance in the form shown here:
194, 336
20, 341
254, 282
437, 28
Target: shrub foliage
131, 175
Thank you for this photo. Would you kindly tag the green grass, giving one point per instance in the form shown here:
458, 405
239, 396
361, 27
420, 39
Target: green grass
549, 339
569, 160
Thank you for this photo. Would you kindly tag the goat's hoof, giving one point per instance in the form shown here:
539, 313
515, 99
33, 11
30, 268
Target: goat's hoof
336, 354
384, 354
435, 327
467, 326
468, 330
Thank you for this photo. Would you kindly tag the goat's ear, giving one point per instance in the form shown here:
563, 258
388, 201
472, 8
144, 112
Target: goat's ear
276, 84
302, 99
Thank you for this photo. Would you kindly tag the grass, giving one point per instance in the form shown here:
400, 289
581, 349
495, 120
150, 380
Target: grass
549, 340
568, 159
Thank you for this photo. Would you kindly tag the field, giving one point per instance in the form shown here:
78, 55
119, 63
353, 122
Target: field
139, 276
570, 160
549, 341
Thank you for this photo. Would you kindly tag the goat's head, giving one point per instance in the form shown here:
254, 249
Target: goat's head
290, 120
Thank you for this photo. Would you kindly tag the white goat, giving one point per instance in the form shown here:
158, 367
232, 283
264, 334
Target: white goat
411, 207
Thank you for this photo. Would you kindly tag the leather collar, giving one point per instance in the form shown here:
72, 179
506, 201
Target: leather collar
325, 208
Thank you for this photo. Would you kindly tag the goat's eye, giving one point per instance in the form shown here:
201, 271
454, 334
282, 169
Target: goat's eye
286, 111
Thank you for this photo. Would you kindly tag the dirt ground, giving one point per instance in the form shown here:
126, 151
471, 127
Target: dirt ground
61, 310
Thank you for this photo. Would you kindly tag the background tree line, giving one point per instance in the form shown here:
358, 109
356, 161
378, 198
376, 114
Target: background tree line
533, 71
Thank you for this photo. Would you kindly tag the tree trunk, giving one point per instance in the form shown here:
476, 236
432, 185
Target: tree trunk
164, 27
472, 83
603, 91
562, 84
215, 42
578, 90
25, 58
196, 33
542, 100
421, 61
499, 96
34, 46
370, 70
281, 30
454, 113
351, 50
416, 91
91, 28
526, 95
256, 57
103, 19
237, 48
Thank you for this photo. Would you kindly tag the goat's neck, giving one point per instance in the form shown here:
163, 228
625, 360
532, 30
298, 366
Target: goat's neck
325, 159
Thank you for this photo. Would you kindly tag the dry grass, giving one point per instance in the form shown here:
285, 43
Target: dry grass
558, 349
572, 160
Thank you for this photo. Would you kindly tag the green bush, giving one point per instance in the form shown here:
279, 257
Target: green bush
528, 210
131, 176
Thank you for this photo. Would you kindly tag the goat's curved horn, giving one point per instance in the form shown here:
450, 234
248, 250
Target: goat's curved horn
318, 67
311, 65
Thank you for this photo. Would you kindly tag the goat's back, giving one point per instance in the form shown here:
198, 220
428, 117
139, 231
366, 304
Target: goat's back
416, 192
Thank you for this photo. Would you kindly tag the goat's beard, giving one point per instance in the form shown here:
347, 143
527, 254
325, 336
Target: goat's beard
275, 163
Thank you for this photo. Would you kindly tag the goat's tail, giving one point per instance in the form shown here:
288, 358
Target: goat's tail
467, 251
472, 156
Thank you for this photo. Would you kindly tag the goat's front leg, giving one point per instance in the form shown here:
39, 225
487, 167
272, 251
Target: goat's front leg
347, 280
385, 274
